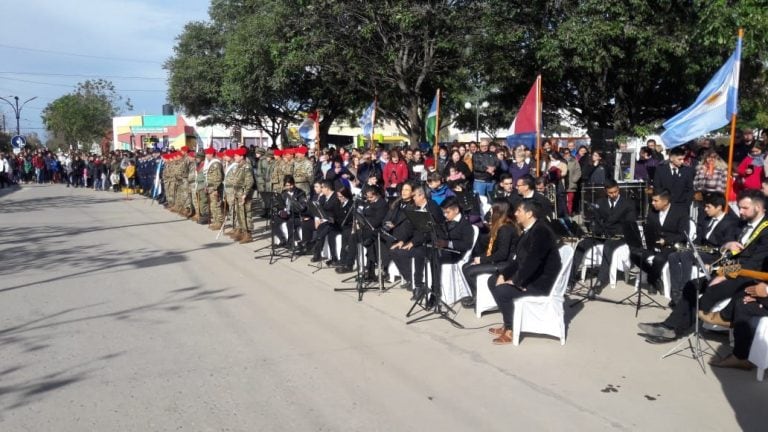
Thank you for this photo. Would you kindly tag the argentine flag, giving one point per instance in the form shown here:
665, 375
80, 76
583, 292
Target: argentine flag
307, 129
713, 109
368, 119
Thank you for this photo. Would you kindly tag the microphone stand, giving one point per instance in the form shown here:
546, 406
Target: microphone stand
360, 285
694, 339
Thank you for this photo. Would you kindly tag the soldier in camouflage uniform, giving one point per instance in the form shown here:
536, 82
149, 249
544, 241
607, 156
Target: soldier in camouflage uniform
276, 171
303, 170
214, 176
202, 209
243, 187
170, 174
229, 191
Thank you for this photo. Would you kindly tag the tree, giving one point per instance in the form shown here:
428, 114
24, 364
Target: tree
81, 117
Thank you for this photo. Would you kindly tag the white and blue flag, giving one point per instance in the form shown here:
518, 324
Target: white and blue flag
713, 109
368, 119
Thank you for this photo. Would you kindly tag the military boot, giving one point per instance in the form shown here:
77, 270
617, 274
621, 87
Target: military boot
215, 226
239, 234
246, 238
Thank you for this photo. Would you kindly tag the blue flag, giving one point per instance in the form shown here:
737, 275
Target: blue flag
713, 108
368, 119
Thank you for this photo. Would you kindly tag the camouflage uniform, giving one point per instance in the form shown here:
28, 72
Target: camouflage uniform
244, 192
169, 175
276, 175
214, 178
303, 173
229, 193
201, 198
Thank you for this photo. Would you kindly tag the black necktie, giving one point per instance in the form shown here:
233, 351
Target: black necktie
674, 172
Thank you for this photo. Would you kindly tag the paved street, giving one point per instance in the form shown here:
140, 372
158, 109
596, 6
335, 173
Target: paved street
117, 315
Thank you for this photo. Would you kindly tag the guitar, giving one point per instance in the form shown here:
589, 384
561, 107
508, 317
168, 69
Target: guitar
733, 270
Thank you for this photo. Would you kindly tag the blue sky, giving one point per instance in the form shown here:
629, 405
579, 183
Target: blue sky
103, 38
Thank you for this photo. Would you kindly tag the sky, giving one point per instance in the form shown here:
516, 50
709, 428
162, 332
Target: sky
47, 47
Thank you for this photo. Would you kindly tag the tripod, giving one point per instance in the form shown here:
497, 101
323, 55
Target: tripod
694, 339
430, 301
591, 294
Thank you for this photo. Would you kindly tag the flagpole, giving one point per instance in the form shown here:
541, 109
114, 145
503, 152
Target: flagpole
373, 119
538, 125
317, 130
729, 176
435, 147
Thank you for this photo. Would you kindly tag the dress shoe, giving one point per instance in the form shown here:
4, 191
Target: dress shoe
344, 269
714, 318
315, 259
406, 286
658, 340
468, 302
245, 238
497, 331
504, 338
332, 263
732, 362
418, 292
430, 303
370, 276
657, 329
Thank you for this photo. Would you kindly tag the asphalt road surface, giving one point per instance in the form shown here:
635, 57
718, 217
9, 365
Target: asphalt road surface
116, 315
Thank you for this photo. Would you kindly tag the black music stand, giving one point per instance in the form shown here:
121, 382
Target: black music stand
317, 212
634, 240
274, 255
269, 199
433, 306
360, 284
694, 339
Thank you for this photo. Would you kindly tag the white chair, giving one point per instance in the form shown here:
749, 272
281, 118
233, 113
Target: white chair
545, 314
452, 282
483, 298
485, 206
665, 279
758, 354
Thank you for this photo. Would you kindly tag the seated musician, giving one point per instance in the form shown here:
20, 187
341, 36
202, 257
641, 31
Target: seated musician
344, 221
415, 247
667, 224
610, 215
307, 220
397, 229
326, 228
526, 188
492, 250
719, 228
292, 206
373, 211
751, 251
533, 270
753, 305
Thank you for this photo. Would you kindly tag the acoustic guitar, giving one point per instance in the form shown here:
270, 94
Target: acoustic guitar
734, 270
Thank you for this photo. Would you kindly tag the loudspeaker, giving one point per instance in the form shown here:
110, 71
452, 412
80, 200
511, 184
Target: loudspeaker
603, 139
167, 109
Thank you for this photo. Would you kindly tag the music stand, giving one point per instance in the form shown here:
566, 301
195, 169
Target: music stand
317, 212
269, 199
694, 339
634, 240
276, 204
423, 222
360, 285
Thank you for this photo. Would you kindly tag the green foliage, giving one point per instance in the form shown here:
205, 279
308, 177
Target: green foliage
83, 116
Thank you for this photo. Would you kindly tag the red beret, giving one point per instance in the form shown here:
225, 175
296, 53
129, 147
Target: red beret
191, 154
221, 153
278, 152
229, 153
242, 151
302, 150
184, 149
210, 151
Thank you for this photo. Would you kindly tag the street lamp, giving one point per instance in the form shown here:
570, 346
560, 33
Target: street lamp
17, 109
478, 105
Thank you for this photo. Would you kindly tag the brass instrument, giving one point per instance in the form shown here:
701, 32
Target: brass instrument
682, 247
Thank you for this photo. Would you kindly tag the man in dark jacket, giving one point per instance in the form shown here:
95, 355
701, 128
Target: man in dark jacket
532, 272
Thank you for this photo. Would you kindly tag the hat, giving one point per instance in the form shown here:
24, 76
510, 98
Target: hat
229, 153
184, 149
270, 152
278, 152
200, 154
221, 154
242, 151
289, 151
210, 151
301, 150
191, 153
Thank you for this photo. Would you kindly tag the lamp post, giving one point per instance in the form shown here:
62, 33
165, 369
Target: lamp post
477, 105
17, 109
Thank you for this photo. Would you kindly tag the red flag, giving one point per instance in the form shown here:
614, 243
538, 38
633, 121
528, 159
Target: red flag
528, 119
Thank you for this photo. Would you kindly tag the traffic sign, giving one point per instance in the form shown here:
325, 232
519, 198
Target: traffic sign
18, 141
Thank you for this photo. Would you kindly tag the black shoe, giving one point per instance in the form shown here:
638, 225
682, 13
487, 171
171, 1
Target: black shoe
430, 303
468, 302
418, 291
315, 259
657, 340
344, 269
370, 276
657, 329
406, 286
332, 263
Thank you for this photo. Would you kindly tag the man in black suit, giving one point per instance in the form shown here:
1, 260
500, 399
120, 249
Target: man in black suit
610, 215
326, 228
719, 228
415, 246
533, 270
666, 225
292, 205
526, 187
505, 190
751, 250
675, 177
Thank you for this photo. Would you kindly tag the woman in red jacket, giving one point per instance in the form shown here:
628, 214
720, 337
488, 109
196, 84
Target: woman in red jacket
751, 170
395, 171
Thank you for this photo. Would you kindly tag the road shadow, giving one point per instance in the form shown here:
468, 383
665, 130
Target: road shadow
746, 395
55, 202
